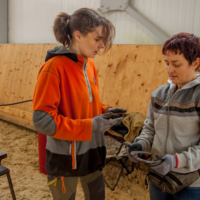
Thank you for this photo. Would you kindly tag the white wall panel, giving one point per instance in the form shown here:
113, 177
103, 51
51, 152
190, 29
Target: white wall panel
70, 6
196, 24
172, 16
31, 21
3, 21
129, 30
37, 20
14, 21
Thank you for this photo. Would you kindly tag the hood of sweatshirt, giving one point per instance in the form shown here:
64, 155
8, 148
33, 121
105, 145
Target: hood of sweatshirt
61, 50
189, 84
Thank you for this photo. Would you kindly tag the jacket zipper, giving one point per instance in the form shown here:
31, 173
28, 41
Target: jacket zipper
70, 147
87, 80
90, 100
169, 102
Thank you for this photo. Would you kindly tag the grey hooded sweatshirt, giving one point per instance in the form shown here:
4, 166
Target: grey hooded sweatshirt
172, 125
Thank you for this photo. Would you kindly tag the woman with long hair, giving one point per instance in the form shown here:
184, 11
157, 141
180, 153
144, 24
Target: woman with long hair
67, 106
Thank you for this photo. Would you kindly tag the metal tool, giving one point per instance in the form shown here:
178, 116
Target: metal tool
150, 163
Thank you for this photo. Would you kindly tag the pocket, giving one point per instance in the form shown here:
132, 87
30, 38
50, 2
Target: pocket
186, 179
172, 182
159, 181
58, 146
174, 179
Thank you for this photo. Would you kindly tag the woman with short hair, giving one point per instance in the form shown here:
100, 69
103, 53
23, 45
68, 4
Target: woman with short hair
172, 126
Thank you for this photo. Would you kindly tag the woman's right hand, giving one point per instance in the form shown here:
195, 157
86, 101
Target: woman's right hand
138, 146
101, 123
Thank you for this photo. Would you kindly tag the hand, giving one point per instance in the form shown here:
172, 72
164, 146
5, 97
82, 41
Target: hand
130, 151
117, 110
169, 162
101, 123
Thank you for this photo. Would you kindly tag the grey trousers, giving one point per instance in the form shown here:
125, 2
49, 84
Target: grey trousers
64, 188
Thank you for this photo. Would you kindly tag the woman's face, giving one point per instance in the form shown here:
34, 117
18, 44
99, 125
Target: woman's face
90, 44
178, 68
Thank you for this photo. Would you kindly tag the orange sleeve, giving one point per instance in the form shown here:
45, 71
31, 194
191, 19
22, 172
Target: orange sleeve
47, 98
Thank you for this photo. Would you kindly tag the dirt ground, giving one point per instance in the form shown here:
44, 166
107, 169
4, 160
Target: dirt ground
21, 146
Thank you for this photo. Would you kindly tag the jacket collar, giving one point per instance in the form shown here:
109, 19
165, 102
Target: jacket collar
81, 60
188, 85
62, 50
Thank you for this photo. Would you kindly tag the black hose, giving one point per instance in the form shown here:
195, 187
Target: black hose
15, 103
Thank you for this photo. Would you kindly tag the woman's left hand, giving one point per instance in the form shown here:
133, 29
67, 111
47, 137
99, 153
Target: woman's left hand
116, 110
168, 163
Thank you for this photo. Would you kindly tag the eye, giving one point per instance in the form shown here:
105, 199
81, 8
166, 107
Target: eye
97, 40
177, 65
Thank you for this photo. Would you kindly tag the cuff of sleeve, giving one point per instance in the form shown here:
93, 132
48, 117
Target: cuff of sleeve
176, 161
181, 160
94, 126
89, 130
104, 108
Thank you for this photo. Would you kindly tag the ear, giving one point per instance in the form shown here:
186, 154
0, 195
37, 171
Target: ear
77, 36
196, 63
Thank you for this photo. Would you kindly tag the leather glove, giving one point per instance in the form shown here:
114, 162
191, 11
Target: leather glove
138, 146
101, 123
169, 162
116, 110
119, 112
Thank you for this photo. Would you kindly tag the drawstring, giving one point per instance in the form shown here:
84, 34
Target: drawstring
63, 184
54, 181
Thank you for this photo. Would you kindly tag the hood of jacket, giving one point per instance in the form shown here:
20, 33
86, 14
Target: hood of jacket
60, 50
188, 85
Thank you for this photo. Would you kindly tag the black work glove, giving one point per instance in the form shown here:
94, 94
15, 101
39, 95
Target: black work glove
101, 123
138, 146
119, 112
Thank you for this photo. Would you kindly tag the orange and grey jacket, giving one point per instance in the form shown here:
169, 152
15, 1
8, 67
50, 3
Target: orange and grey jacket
66, 98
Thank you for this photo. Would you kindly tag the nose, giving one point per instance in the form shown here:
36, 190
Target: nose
101, 45
169, 69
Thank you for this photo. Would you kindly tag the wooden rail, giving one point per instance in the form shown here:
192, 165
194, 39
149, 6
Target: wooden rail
128, 74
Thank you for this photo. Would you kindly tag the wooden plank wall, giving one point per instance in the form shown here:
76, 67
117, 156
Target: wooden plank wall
128, 74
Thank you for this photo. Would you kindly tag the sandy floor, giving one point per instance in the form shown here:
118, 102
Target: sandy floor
21, 146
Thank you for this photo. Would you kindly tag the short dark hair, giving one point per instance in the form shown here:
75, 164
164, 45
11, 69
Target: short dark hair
183, 43
84, 20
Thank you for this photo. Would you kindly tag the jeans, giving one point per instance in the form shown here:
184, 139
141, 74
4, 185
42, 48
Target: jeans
189, 193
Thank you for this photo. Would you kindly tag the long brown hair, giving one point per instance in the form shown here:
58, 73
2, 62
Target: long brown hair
84, 20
